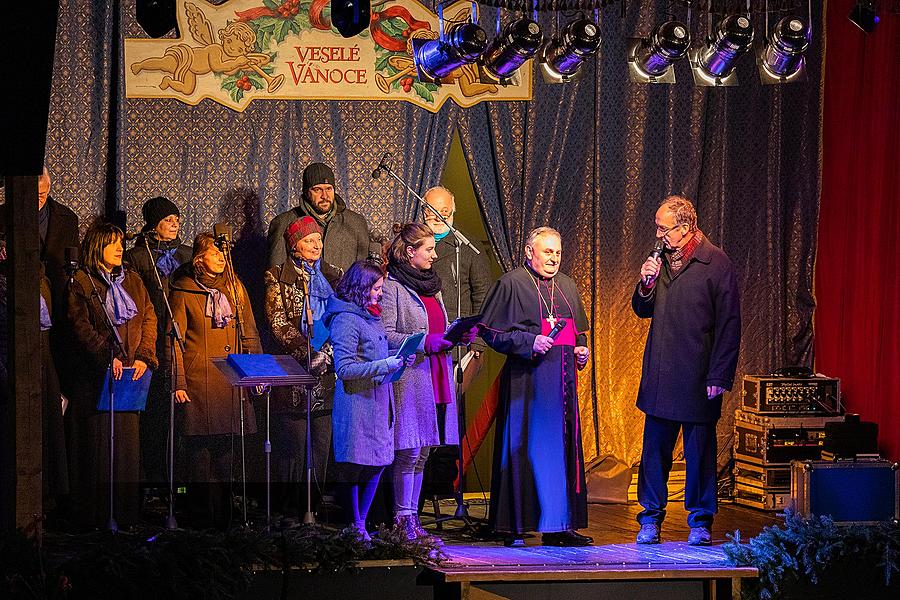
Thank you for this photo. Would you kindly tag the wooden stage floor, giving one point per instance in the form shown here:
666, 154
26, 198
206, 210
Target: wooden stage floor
614, 565
616, 524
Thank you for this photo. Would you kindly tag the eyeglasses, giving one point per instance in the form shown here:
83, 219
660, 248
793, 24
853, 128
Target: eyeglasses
665, 230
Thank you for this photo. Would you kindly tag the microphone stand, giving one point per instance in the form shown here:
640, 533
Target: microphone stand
462, 511
308, 517
238, 346
174, 336
115, 345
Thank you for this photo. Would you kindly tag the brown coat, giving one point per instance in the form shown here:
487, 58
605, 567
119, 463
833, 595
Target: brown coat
214, 407
89, 432
88, 323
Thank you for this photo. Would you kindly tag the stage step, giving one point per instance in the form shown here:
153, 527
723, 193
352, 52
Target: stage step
671, 570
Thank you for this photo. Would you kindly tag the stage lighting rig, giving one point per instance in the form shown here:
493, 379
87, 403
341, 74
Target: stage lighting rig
460, 44
650, 59
781, 59
562, 57
518, 43
864, 15
714, 63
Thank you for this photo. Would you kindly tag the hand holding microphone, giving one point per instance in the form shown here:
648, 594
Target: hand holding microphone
543, 343
651, 266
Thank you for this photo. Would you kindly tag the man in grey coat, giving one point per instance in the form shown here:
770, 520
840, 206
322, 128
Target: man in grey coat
346, 236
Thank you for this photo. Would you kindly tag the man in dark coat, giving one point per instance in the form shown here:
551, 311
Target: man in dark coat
346, 232
538, 482
475, 273
58, 228
472, 286
689, 361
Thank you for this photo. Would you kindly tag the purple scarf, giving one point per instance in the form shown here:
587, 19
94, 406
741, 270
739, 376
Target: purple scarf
119, 304
166, 261
217, 306
45, 316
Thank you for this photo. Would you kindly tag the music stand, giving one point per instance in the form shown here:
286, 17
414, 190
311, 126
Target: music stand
268, 371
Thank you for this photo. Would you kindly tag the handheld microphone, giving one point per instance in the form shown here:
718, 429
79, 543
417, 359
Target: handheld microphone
222, 233
557, 329
130, 235
658, 248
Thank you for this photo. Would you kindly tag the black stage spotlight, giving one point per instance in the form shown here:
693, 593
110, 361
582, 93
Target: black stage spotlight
462, 44
781, 59
650, 59
510, 50
562, 57
864, 15
714, 63
156, 17
351, 17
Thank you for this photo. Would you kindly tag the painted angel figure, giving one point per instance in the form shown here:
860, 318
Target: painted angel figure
184, 62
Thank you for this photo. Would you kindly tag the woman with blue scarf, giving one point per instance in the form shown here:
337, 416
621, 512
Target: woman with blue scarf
103, 286
157, 252
289, 310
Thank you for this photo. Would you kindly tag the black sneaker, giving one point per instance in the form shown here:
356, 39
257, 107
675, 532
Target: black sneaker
566, 538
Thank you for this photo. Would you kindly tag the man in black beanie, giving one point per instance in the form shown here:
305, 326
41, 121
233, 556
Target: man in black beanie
346, 237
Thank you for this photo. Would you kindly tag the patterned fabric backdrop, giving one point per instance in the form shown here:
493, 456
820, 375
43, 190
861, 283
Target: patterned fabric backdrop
591, 158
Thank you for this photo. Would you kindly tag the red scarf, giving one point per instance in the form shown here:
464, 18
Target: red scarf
374, 310
682, 256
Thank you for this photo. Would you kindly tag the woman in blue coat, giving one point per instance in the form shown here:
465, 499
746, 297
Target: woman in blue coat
363, 417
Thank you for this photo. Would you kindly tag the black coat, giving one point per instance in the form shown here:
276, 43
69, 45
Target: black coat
62, 232
475, 280
694, 337
144, 263
346, 238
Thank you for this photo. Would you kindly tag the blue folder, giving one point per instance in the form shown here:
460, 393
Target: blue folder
256, 365
130, 395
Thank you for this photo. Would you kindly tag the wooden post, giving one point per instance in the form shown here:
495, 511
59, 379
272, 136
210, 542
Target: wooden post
21, 413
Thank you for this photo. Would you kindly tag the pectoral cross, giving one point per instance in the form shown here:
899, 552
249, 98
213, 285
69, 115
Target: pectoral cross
552, 320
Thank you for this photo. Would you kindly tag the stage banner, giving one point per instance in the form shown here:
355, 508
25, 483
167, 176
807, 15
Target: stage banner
246, 50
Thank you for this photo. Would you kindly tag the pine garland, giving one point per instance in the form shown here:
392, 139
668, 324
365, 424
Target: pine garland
813, 557
187, 564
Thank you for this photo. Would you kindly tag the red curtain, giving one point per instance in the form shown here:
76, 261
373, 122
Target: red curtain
857, 285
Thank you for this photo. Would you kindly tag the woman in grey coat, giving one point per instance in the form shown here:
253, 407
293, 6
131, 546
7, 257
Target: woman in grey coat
424, 394
363, 417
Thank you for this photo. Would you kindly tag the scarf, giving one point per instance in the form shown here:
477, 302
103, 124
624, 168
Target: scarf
424, 283
165, 253
681, 256
46, 323
218, 307
374, 310
439, 236
319, 288
322, 219
119, 304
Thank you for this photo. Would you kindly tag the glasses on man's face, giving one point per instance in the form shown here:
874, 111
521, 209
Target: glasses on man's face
430, 216
660, 230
